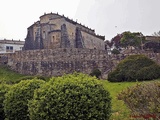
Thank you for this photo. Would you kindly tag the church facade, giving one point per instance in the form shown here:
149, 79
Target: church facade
57, 31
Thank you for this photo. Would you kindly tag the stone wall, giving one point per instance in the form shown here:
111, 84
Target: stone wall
56, 62
117, 58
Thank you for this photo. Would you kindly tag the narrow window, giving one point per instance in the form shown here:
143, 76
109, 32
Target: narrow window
53, 39
44, 34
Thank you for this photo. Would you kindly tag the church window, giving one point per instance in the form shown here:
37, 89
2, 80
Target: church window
53, 39
44, 34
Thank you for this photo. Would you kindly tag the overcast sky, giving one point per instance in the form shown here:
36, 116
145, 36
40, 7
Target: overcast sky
107, 17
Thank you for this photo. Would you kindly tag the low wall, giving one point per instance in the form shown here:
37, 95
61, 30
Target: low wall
56, 62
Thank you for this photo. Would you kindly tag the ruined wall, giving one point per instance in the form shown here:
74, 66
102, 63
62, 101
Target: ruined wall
55, 62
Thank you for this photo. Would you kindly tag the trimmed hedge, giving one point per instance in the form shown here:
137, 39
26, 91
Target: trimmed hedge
71, 97
133, 68
16, 99
3, 90
143, 99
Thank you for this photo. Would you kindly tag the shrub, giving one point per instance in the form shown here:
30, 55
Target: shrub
32, 77
148, 73
143, 99
3, 90
96, 72
135, 67
16, 100
71, 97
115, 51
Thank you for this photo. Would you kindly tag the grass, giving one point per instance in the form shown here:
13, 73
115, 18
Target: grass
8, 76
119, 109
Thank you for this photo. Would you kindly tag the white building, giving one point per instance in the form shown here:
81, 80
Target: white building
10, 46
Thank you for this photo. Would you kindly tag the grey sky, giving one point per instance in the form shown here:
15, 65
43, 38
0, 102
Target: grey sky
107, 17
110, 17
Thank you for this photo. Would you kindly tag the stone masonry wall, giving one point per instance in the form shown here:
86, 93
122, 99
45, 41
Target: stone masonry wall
56, 62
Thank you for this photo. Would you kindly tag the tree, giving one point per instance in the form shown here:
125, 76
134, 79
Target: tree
152, 45
132, 39
116, 41
156, 33
115, 51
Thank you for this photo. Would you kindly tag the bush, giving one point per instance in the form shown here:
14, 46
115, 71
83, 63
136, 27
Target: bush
143, 99
115, 51
71, 97
135, 67
96, 72
3, 90
16, 100
33, 77
150, 72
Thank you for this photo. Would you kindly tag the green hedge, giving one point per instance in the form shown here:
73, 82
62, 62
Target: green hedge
3, 90
16, 99
71, 97
133, 68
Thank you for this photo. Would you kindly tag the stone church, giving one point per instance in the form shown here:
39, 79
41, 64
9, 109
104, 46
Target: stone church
57, 31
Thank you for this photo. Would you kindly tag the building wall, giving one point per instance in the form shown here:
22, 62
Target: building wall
3, 48
92, 42
51, 24
54, 40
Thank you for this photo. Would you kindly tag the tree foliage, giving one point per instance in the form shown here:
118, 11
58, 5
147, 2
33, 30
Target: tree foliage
135, 67
152, 45
115, 51
131, 39
156, 33
71, 97
16, 99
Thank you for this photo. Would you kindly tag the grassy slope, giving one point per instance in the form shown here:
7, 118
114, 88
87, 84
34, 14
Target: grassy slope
119, 109
9, 76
